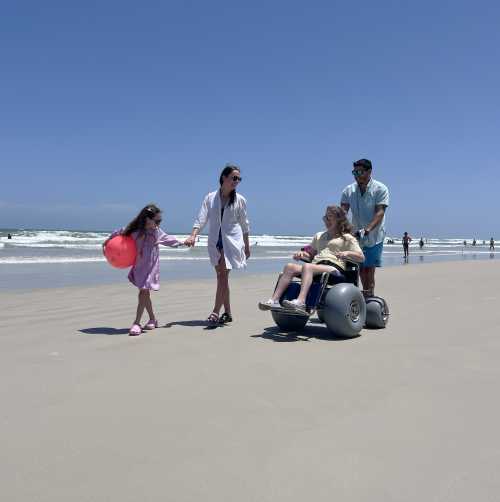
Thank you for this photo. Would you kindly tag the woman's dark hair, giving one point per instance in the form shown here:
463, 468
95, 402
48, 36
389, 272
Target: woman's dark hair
343, 224
224, 174
139, 222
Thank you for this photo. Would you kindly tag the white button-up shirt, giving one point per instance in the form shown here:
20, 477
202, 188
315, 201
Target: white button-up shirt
363, 208
232, 226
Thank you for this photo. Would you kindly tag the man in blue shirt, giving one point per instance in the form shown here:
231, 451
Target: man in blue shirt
367, 199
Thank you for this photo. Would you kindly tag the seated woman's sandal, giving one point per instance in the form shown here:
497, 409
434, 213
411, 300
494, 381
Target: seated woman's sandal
269, 304
296, 306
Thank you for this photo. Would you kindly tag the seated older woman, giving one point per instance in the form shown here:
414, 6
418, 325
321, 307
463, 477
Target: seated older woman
328, 252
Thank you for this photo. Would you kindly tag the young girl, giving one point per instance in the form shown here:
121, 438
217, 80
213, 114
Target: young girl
145, 274
327, 252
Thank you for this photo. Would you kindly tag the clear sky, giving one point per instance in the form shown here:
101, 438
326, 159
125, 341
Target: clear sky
108, 105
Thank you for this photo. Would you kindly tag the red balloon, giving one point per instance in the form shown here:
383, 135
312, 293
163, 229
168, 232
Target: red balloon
121, 251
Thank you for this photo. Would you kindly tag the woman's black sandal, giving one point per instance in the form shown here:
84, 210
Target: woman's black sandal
213, 319
225, 318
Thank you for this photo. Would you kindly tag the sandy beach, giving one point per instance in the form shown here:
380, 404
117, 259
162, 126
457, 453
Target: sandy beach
246, 413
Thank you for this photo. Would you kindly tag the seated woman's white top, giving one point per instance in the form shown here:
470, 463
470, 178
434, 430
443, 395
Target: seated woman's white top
326, 247
233, 225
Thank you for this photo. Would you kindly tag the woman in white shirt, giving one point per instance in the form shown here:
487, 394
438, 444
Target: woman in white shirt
225, 211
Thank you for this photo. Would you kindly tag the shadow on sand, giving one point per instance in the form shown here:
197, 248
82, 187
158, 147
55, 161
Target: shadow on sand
196, 323
104, 331
316, 330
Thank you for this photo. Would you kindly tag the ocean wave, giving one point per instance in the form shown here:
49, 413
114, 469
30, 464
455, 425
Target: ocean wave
41, 260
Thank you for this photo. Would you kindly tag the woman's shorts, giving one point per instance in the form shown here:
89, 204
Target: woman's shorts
219, 244
373, 256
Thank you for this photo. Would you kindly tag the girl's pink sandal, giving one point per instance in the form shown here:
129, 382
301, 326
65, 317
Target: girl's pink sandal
152, 324
135, 330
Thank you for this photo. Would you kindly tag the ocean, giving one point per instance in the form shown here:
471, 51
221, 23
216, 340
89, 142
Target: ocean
48, 258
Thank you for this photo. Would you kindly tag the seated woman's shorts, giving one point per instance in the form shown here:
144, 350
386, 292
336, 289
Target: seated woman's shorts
373, 256
336, 270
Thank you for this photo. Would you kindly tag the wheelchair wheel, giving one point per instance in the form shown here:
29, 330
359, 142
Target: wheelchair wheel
377, 313
289, 322
344, 310
320, 315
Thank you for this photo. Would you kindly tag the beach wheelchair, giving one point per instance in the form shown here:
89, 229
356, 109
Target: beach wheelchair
338, 303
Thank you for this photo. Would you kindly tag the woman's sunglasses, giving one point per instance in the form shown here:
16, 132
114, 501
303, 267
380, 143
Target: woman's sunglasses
237, 178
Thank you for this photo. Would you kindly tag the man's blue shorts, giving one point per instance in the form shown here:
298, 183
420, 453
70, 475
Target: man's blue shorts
373, 256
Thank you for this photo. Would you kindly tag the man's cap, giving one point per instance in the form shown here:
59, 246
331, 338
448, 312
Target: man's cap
364, 163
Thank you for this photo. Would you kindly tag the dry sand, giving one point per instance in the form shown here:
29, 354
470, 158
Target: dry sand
244, 413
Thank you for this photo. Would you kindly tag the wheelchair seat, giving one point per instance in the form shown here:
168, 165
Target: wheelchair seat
350, 274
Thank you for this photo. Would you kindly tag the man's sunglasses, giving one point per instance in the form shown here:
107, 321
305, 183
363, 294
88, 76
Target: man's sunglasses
358, 172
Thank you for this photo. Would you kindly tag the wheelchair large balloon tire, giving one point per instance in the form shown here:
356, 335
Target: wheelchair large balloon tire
344, 310
320, 315
289, 322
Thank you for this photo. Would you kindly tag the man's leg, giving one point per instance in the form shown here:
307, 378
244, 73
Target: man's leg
367, 275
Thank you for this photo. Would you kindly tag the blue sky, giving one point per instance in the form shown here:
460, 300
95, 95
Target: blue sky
106, 106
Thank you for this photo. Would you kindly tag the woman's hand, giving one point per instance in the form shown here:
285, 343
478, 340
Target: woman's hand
342, 255
247, 252
190, 241
302, 255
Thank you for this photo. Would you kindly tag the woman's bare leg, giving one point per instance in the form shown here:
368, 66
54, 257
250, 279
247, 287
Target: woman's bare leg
289, 272
222, 292
308, 272
227, 302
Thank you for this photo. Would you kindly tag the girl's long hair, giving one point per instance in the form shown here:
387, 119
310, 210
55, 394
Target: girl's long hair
343, 224
224, 174
139, 222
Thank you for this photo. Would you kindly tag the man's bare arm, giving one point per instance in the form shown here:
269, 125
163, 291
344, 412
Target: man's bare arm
377, 218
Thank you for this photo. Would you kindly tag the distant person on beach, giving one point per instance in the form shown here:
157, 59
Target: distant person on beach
368, 200
9, 236
327, 252
474, 242
492, 244
421, 243
406, 244
228, 246
145, 274
465, 243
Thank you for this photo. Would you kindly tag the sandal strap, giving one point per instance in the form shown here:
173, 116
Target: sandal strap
225, 317
213, 317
